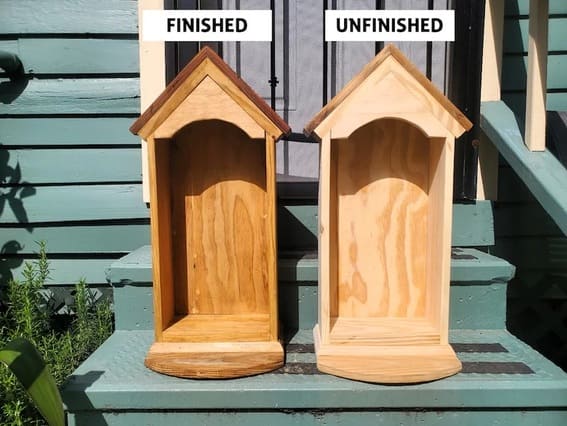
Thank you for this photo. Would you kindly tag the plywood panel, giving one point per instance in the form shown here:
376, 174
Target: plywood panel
219, 212
382, 190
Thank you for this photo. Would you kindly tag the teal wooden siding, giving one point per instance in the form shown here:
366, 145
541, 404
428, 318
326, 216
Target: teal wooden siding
525, 234
528, 237
515, 47
71, 171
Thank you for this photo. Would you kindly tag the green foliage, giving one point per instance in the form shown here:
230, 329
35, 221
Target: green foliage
23, 359
25, 312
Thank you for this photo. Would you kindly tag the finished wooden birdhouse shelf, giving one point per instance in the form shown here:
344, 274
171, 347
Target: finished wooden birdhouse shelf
211, 146
385, 199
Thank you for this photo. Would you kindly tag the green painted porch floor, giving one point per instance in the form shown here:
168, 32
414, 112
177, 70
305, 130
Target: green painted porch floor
500, 373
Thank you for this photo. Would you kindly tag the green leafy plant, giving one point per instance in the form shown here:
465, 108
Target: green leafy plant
63, 341
23, 359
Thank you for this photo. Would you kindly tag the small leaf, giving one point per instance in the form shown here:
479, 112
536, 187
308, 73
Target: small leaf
23, 359
27, 191
18, 209
16, 174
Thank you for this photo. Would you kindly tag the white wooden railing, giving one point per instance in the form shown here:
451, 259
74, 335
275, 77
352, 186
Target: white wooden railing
537, 76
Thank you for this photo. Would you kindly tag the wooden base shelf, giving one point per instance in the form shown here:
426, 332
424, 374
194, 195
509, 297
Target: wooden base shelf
197, 328
222, 360
386, 364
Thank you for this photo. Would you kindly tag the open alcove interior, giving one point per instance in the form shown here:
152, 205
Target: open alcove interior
387, 192
211, 179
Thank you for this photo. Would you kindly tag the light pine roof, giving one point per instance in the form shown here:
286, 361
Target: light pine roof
389, 51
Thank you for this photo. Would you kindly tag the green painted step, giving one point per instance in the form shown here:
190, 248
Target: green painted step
503, 382
478, 290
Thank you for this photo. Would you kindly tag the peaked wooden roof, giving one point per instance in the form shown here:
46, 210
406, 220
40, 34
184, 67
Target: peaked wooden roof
389, 51
207, 53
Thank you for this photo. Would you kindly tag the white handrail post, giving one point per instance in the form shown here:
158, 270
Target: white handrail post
487, 176
537, 76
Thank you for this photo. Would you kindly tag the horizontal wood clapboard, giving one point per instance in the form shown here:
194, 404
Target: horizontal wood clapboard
62, 56
56, 131
72, 96
64, 17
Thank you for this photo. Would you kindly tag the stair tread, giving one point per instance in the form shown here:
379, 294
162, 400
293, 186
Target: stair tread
499, 371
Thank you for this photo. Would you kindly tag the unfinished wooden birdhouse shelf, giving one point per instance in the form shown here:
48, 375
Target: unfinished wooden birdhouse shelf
385, 200
211, 145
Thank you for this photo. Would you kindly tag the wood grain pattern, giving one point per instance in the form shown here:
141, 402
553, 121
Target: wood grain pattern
387, 364
441, 154
213, 360
235, 85
327, 238
271, 236
219, 328
382, 196
219, 214
160, 230
383, 331
390, 51
204, 103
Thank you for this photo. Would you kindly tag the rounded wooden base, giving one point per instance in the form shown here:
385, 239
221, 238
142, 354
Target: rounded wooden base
214, 360
400, 364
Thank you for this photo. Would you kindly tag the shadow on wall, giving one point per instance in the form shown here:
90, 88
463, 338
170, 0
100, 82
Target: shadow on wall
11, 90
13, 192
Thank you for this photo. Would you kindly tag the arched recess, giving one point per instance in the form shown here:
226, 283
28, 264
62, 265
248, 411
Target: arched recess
218, 206
383, 222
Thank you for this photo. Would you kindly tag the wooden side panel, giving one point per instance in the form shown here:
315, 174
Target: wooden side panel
159, 153
271, 241
219, 213
441, 155
382, 190
327, 240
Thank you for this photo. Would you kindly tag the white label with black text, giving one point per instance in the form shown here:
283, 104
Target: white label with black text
207, 25
390, 25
